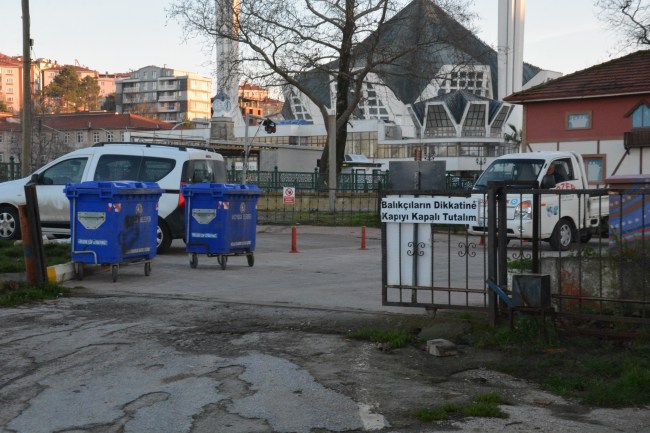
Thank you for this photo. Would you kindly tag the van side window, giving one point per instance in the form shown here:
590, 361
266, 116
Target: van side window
118, 167
205, 171
68, 171
154, 169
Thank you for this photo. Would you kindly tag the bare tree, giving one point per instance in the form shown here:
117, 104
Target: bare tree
47, 143
630, 19
340, 42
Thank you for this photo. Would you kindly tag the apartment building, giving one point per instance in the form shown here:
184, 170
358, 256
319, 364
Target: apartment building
11, 78
163, 93
255, 100
42, 73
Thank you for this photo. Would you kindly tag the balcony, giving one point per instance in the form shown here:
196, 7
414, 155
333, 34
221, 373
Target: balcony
637, 138
168, 109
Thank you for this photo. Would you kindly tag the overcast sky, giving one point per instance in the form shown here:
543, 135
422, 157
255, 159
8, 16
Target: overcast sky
119, 35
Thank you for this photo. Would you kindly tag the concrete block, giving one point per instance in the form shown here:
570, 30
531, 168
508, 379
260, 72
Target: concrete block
441, 347
60, 273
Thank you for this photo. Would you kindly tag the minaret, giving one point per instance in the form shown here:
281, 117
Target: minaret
225, 103
512, 14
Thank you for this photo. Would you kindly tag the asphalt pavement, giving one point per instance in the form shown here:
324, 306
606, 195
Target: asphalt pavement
329, 270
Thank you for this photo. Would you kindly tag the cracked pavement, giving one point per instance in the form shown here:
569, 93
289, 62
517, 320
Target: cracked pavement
178, 352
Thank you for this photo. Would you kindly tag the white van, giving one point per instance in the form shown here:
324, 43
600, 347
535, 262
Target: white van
168, 165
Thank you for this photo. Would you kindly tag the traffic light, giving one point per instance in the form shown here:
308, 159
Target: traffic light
269, 126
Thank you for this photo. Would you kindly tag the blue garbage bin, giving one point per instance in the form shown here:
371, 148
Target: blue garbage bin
220, 220
113, 223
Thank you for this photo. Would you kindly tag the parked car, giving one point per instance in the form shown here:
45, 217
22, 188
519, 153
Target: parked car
168, 165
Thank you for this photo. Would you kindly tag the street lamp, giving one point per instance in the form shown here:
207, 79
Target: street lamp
270, 128
480, 160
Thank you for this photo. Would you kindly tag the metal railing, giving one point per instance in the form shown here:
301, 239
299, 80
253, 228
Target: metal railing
314, 181
11, 170
309, 181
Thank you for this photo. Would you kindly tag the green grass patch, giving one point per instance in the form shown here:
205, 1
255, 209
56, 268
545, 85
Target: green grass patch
605, 380
394, 338
13, 294
12, 257
593, 371
483, 405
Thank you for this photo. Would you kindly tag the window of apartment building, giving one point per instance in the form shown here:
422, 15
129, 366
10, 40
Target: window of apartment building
13, 139
10, 80
10, 99
2, 138
109, 136
10, 90
641, 117
2, 157
66, 138
9, 71
170, 106
154, 74
122, 136
95, 136
80, 137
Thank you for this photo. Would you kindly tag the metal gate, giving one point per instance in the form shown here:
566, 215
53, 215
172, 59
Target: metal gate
440, 266
426, 263
601, 280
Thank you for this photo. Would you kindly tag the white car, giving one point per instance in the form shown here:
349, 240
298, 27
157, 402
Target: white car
168, 165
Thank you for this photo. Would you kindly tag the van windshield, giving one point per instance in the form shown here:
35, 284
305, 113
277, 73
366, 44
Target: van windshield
510, 170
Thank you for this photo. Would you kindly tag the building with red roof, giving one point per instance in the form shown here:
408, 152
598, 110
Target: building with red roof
602, 112
56, 134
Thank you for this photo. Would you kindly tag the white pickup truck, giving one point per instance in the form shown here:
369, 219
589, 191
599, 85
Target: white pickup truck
565, 218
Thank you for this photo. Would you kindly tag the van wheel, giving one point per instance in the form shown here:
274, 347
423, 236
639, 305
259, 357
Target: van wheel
9, 223
163, 237
563, 235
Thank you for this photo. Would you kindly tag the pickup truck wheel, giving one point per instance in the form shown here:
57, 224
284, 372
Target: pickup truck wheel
563, 235
9, 223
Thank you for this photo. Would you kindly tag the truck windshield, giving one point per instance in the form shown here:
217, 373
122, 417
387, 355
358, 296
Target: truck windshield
510, 170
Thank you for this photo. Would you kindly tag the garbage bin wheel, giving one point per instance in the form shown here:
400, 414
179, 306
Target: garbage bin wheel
223, 260
79, 271
251, 259
114, 270
147, 268
194, 261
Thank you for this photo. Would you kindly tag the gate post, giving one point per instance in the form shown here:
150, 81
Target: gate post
491, 243
496, 251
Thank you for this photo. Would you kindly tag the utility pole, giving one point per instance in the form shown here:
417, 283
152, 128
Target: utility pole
25, 159
331, 156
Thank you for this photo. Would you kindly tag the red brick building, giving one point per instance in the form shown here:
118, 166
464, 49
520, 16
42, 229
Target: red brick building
602, 112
